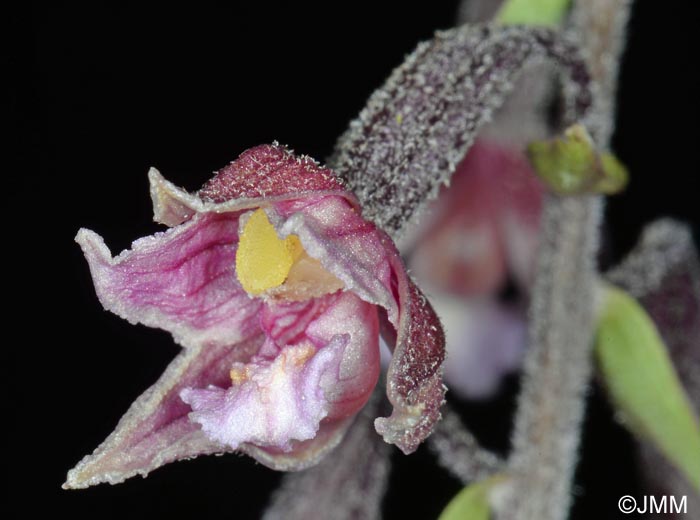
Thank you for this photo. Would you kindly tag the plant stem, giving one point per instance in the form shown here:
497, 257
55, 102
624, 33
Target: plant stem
599, 28
558, 364
459, 452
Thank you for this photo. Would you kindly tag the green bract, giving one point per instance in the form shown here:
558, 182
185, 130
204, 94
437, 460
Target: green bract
572, 166
643, 383
472, 502
533, 12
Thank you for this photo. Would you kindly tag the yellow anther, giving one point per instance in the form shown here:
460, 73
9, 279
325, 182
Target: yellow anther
263, 259
239, 375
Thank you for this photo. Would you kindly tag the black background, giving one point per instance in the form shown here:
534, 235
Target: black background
100, 93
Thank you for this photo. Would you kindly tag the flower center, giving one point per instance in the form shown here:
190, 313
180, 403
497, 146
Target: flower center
280, 268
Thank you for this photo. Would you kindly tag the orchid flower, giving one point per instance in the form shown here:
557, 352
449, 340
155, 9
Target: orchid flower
276, 287
480, 234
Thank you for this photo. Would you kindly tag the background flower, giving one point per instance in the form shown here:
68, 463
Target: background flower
474, 252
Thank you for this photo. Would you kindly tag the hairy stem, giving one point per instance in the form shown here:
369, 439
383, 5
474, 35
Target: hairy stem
459, 452
599, 27
557, 367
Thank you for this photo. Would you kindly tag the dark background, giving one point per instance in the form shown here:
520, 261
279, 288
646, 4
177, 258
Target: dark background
99, 94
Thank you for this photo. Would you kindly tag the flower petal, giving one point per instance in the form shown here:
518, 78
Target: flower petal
350, 481
485, 341
283, 394
460, 251
171, 205
351, 248
279, 402
182, 281
260, 175
483, 226
155, 430
366, 260
270, 172
414, 381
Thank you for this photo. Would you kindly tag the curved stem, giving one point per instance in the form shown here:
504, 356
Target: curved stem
459, 452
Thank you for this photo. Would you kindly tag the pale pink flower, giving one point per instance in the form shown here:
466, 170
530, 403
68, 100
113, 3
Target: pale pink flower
276, 287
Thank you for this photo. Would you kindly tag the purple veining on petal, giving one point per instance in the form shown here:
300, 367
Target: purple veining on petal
348, 246
367, 262
328, 373
295, 385
181, 280
286, 323
155, 430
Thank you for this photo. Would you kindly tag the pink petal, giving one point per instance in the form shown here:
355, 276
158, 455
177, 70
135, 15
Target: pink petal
485, 341
269, 172
484, 226
366, 260
287, 391
461, 250
353, 249
182, 281
155, 430
414, 382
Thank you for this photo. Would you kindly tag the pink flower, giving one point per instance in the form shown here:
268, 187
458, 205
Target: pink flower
277, 288
481, 233
484, 227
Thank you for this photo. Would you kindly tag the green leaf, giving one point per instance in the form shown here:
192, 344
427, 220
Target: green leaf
533, 12
472, 503
643, 384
